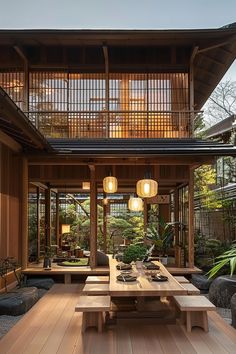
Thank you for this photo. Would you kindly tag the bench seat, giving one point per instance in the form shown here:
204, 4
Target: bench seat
181, 279
192, 290
96, 289
194, 310
97, 279
93, 309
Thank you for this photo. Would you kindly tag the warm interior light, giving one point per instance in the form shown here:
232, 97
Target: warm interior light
135, 204
147, 188
105, 201
65, 228
86, 186
110, 184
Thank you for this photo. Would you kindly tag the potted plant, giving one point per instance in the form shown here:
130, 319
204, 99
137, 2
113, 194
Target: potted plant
161, 237
48, 255
134, 252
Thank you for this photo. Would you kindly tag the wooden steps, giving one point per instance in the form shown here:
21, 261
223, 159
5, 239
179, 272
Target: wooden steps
96, 289
97, 279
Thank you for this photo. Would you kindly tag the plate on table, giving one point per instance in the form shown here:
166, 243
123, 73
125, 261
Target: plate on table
123, 272
159, 278
151, 266
126, 278
123, 266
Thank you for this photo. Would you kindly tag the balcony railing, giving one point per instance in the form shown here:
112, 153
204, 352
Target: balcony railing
113, 124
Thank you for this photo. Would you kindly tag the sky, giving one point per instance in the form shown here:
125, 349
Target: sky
119, 14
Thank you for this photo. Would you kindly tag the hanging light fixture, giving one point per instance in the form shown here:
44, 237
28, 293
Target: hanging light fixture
147, 187
110, 184
86, 186
135, 204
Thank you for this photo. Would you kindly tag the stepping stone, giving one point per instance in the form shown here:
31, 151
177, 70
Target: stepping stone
18, 301
40, 283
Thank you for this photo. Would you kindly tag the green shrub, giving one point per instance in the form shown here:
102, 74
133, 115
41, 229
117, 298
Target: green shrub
134, 253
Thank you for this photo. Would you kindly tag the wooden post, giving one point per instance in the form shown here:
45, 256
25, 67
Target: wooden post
104, 225
176, 216
57, 221
93, 218
191, 89
24, 225
48, 216
105, 52
191, 218
145, 215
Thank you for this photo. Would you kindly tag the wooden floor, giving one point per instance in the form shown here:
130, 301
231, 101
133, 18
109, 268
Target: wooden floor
52, 326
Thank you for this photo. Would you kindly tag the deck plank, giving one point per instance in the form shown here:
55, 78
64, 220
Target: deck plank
52, 326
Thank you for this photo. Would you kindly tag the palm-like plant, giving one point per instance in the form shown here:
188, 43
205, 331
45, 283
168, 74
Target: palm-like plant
226, 258
161, 236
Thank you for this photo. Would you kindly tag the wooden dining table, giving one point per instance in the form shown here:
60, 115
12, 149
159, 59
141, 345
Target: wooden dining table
143, 286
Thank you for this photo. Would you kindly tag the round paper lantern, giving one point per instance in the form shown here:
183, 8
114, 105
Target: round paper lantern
135, 204
147, 188
110, 184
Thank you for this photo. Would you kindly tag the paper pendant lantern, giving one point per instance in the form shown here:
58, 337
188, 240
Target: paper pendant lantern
135, 204
147, 188
110, 184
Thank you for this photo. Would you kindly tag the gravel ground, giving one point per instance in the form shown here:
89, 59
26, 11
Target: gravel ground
7, 322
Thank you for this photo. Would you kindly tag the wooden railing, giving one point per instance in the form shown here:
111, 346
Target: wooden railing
114, 124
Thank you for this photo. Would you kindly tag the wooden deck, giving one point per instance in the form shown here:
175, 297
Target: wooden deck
52, 326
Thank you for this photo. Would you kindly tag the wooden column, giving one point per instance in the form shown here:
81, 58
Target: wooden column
104, 225
191, 218
145, 215
48, 216
191, 88
93, 218
24, 225
176, 216
105, 52
57, 221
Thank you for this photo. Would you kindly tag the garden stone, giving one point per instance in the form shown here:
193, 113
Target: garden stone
18, 301
40, 283
102, 259
233, 310
221, 290
201, 282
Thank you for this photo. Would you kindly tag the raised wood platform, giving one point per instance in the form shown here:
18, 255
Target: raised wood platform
67, 273
53, 326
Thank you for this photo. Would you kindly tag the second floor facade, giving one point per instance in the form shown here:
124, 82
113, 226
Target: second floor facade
113, 84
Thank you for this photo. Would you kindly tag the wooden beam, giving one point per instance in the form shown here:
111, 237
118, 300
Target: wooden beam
9, 142
21, 53
93, 218
24, 225
191, 218
80, 161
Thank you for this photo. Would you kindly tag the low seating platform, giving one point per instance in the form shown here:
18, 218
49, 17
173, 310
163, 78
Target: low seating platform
194, 311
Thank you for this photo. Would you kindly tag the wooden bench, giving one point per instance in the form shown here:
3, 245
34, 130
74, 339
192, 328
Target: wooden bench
181, 279
93, 309
96, 289
97, 279
192, 290
194, 311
